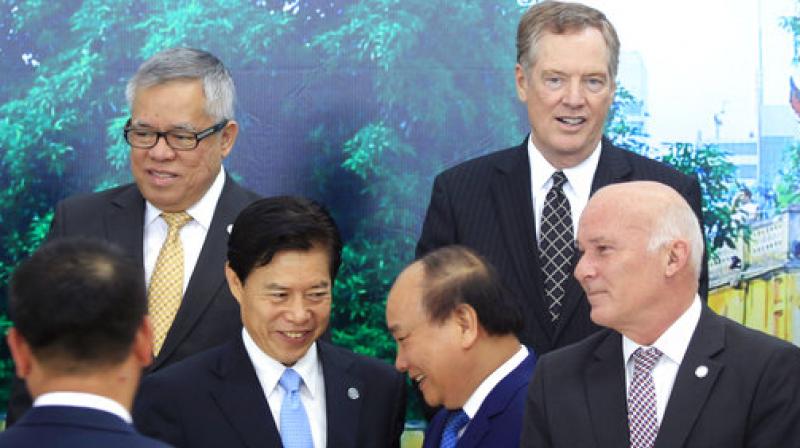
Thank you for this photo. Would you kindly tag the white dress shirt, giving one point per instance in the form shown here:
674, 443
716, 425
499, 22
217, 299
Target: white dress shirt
84, 400
312, 390
673, 344
474, 402
577, 188
192, 235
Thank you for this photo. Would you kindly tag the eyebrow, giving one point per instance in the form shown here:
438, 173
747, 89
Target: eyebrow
321, 284
179, 126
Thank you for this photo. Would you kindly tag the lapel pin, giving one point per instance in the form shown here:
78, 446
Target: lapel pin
352, 393
230, 228
701, 371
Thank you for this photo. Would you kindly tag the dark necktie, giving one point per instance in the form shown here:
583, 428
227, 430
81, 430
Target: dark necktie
455, 421
556, 245
642, 416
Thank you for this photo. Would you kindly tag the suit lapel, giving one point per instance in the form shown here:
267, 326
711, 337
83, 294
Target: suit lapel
604, 380
511, 191
208, 275
433, 434
496, 403
125, 222
690, 392
241, 398
342, 397
612, 167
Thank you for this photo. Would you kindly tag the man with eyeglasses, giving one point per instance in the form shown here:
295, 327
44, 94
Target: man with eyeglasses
175, 218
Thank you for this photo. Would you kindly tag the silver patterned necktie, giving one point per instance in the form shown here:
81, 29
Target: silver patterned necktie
642, 411
556, 245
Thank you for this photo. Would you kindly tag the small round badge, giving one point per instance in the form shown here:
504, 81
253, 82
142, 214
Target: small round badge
352, 393
701, 371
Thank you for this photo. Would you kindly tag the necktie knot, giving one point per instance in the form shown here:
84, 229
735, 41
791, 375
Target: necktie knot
455, 421
644, 359
559, 179
176, 220
290, 381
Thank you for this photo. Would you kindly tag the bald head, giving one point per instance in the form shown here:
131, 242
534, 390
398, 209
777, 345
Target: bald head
642, 250
661, 210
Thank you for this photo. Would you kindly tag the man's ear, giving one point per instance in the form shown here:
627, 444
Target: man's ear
228, 136
234, 283
467, 323
143, 343
20, 352
521, 82
678, 252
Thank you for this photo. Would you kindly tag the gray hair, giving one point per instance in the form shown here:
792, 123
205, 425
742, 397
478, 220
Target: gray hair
560, 18
188, 63
678, 220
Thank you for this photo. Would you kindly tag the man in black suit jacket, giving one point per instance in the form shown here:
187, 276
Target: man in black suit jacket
567, 61
181, 128
283, 256
80, 338
710, 381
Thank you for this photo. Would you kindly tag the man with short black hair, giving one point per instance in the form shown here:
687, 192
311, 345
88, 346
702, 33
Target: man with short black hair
80, 339
455, 328
277, 383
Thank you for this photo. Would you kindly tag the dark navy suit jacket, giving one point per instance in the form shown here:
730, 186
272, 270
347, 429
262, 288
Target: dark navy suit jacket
747, 396
486, 204
214, 400
498, 422
73, 427
208, 315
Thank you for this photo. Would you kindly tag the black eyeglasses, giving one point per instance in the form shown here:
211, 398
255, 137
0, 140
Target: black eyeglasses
176, 139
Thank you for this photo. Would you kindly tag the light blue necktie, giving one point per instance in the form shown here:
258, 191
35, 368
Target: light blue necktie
295, 430
455, 421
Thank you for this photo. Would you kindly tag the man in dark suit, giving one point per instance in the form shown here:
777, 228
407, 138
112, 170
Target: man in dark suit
180, 130
80, 338
455, 329
498, 204
667, 371
283, 256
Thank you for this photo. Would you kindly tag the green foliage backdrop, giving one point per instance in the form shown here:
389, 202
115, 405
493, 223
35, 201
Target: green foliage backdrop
355, 103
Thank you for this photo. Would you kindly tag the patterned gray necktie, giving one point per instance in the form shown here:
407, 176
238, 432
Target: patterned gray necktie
642, 416
556, 245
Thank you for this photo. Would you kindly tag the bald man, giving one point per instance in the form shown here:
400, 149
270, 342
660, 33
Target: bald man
666, 371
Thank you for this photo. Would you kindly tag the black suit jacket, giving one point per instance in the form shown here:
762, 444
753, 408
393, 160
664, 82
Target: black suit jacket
214, 400
208, 315
750, 396
486, 204
73, 427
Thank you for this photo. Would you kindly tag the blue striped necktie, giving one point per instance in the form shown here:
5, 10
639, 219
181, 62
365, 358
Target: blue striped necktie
295, 430
455, 421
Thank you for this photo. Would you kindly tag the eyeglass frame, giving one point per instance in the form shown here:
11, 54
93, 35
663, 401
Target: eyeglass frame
198, 136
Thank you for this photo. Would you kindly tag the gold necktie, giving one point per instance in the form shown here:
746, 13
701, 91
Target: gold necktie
166, 284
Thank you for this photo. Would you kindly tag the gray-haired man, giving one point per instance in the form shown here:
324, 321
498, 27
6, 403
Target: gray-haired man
174, 218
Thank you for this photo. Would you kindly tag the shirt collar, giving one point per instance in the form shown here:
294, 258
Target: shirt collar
673, 342
579, 176
84, 400
201, 211
269, 370
477, 398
